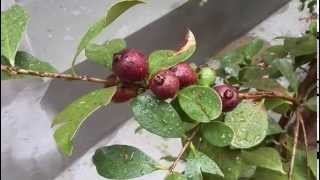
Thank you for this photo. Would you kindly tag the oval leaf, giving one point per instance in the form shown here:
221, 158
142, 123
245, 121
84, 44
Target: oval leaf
14, 22
164, 59
264, 157
299, 46
122, 162
217, 134
287, 70
312, 104
103, 54
266, 85
113, 13
157, 116
201, 103
175, 176
71, 118
249, 123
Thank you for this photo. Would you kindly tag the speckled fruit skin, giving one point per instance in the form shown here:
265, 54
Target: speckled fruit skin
165, 85
229, 96
185, 74
130, 65
125, 93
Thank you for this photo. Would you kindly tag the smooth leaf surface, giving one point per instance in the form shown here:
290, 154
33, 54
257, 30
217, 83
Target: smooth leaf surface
312, 103
176, 176
253, 48
265, 157
301, 45
217, 133
267, 174
25, 60
113, 13
200, 103
103, 54
251, 73
72, 117
122, 162
312, 162
274, 52
249, 123
274, 128
14, 23
164, 59
157, 116
287, 70
266, 85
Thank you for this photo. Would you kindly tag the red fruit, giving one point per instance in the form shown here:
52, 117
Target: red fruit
130, 65
125, 93
165, 85
229, 96
185, 74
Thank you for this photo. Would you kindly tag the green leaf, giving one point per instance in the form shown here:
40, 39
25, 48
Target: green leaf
201, 103
25, 60
251, 73
312, 162
198, 162
157, 116
217, 134
123, 162
312, 103
14, 23
286, 68
253, 48
103, 54
249, 123
301, 45
274, 128
164, 59
113, 13
267, 174
175, 176
71, 118
266, 85
264, 157
274, 52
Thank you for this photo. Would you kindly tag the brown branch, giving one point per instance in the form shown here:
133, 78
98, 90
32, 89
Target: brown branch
186, 145
266, 94
295, 143
305, 139
20, 71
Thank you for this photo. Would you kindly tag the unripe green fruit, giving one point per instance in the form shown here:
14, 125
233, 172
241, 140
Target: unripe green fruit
206, 77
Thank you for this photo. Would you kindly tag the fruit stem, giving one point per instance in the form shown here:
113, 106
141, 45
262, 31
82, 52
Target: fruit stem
268, 94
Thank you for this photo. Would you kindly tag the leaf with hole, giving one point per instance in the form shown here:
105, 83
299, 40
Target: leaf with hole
123, 162
157, 116
217, 133
249, 123
265, 157
103, 54
25, 60
113, 13
202, 104
164, 59
14, 23
72, 117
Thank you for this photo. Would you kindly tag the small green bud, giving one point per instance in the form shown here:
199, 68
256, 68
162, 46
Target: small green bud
206, 77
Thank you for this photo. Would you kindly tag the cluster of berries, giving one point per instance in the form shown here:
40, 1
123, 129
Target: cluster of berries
131, 66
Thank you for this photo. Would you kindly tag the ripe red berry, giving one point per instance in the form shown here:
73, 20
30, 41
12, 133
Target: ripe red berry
130, 65
229, 96
165, 85
125, 93
185, 74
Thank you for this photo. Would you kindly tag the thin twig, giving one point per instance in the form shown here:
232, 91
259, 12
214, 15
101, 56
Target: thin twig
20, 71
184, 148
305, 139
295, 142
267, 94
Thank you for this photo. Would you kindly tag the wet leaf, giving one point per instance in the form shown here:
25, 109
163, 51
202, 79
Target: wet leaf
164, 59
264, 157
72, 117
122, 162
249, 123
200, 103
113, 13
103, 54
14, 23
157, 116
217, 133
